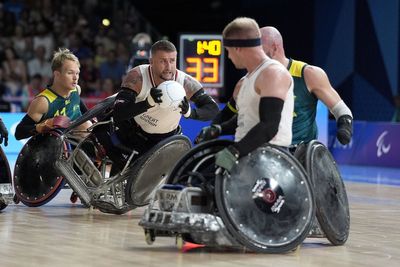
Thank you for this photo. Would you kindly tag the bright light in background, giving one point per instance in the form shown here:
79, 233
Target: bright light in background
106, 22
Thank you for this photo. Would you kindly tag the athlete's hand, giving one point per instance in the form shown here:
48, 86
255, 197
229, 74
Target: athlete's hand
227, 158
185, 107
344, 129
208, 133
53, 123
155, 96
3, 133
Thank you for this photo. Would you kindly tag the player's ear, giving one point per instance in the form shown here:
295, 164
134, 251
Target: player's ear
56, 73
274, 48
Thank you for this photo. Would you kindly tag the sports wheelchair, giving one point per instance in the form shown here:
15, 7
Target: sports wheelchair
49, 161
268, 203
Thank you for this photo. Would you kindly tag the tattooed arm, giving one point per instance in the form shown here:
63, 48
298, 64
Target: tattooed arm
125, 106
206, 108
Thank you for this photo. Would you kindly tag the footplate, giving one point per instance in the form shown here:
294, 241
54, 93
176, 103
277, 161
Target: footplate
177, 210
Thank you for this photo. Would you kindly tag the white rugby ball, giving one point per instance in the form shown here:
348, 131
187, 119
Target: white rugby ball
172, 94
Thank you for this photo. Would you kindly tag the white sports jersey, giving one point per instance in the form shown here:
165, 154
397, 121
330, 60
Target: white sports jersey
248, 102
157, 120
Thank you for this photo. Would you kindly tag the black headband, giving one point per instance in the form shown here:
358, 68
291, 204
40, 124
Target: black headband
242, 42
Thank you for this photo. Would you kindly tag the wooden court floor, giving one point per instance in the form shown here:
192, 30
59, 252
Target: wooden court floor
64, 234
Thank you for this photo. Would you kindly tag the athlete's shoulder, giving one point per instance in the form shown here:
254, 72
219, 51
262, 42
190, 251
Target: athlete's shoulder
297, 67
47, 94
134, 79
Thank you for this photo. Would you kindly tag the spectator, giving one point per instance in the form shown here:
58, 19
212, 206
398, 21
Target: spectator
35, 86
101, 55
19, 41
39, 64
15, 76
95, 95
4, 105
44, 38
112, 68
90, 75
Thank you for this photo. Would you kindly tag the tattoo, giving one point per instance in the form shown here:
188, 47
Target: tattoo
132, 79
191, 85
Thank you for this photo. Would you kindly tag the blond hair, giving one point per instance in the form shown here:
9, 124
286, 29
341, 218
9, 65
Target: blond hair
60, 56
242, 28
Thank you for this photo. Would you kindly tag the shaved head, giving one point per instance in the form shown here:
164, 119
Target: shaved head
270, 35
272, 43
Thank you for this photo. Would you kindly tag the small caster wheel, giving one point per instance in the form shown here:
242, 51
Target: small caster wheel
179, 242
149, 236
73, 198
16, 199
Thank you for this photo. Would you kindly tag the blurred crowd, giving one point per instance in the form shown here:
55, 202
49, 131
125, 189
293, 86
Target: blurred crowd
30, 31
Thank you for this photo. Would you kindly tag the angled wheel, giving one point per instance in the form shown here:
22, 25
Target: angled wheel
266, 203
332, 206
36, 180
152, 169
196, 159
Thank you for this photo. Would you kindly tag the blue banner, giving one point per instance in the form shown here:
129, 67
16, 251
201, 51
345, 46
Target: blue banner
373, 144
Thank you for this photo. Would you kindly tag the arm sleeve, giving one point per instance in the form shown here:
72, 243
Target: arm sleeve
229, 127
270, 117
206, 108
26, 128
83, 107
125, 106
226, 113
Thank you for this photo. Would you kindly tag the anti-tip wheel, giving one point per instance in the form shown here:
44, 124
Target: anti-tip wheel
149, 237
179, 242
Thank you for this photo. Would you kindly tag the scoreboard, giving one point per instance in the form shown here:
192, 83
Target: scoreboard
202, 56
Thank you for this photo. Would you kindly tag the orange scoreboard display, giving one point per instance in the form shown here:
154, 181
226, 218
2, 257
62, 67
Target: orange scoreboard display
202, 56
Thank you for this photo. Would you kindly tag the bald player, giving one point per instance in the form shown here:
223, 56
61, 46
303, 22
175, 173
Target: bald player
310, 84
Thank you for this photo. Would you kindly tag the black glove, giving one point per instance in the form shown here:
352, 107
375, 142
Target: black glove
344, 129
208, 133
185, 107
156, 95
3, 133
227, 158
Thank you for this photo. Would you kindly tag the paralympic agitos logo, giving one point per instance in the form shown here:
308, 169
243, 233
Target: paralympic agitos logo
382, 148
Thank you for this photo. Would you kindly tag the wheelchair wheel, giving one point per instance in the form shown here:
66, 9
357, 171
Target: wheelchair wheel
36, 180
148, 172
266, 202
196, 159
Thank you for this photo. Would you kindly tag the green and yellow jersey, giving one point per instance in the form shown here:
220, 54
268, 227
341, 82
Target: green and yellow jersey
305, 106
58, 105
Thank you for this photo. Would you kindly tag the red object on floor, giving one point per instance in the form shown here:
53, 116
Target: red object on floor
189, 246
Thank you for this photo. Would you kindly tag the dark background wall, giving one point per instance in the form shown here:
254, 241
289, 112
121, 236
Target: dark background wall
293, 18
355, 41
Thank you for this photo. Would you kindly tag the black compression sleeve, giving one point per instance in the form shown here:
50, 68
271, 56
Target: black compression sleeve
226, 113
83, 107
125, 106
270, 117
26, 128
206, 108
229, 127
